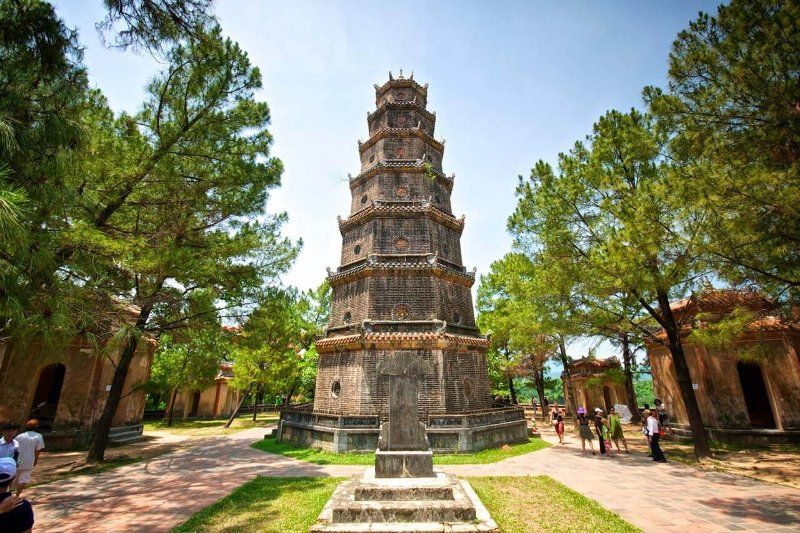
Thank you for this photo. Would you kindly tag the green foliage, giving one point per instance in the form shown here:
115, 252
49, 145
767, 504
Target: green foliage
189, 364
614, 375
554, 389
519, 346
154, 24
734, 88
644, 391
722, 333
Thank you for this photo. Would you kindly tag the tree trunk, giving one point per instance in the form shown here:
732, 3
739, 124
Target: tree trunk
97, 447
235, 412
630, 392
171, 406
512, 390
257, 395
701, 445
569, 392
288, 399
538, 377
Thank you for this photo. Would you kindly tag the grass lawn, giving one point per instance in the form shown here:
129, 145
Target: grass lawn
206, 428
517, 504
266, 504
320, 457
523, 504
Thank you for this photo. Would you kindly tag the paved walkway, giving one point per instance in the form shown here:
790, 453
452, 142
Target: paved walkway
160, 493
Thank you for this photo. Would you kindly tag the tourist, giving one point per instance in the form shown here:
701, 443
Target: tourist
606, 436
17, 516
655, 437
9, 447
31, 444
598, 427
663, 417
615, 424
560, 429
584, 431
554, 415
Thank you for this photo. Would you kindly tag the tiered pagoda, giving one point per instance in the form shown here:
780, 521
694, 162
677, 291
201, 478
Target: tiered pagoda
402, 288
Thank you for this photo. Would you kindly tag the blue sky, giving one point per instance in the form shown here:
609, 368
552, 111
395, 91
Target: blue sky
511, 83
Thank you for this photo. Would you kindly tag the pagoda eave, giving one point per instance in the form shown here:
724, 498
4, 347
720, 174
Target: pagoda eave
367, 269
394, 339
400, 132
401, 210
400, 82
405, 104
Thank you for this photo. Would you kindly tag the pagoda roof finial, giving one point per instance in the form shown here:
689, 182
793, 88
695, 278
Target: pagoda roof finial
400, 77
391, 78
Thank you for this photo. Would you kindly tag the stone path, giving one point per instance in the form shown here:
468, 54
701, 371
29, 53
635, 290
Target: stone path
158, 494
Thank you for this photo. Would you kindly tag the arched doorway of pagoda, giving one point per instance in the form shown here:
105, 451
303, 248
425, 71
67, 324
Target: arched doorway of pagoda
756, 397
607, 397
48, 394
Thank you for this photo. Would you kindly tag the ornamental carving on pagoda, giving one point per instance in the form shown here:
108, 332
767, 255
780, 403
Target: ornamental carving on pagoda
401, 287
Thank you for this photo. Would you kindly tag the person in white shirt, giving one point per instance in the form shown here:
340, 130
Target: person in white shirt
9, 447
655, 437
31, 444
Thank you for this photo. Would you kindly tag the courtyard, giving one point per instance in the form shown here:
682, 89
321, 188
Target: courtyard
230, 485
231, 301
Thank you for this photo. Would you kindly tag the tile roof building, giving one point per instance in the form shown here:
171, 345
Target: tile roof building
747, 388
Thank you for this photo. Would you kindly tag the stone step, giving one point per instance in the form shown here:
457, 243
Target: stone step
407, 527
404, 511
126, 439
137, 428
400, 493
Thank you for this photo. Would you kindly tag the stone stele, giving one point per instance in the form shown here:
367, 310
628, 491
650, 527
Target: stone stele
403, 448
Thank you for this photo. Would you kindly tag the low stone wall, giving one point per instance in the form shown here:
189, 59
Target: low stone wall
746, 437
467, 432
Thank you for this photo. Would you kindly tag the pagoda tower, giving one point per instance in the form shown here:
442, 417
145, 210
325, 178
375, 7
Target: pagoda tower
401, 289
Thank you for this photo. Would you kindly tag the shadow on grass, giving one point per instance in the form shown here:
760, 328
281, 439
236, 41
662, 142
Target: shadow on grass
321, 457
266, 504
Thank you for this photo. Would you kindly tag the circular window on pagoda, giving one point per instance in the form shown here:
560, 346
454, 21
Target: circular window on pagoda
400, 152
401, 191
372, 158
401, 120
401, 96
456, 318
347, 318
336, 388
357, 249
402, 312
363, 199
401, 244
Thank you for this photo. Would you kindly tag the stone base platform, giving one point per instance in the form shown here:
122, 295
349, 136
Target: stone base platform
391, 464
421, 505
456, 432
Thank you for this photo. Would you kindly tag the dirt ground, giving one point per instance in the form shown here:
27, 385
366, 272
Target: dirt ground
775, 464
